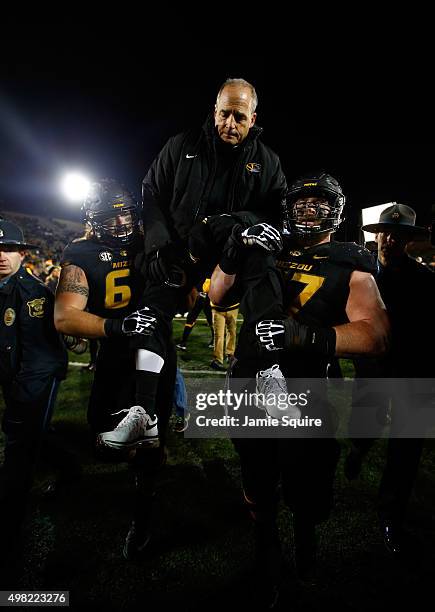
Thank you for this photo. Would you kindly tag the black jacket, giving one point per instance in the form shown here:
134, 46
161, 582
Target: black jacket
176, 188
31, 350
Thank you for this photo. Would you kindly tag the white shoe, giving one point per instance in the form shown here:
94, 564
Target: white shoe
272, 389
137, 428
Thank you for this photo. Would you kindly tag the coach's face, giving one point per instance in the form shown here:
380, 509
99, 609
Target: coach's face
10, 260
233, 116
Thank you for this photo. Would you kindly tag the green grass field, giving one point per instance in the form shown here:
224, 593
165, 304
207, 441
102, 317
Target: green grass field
201, 553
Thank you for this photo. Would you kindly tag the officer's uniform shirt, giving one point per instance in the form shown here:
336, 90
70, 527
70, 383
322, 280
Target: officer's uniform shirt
31, 350
408, 292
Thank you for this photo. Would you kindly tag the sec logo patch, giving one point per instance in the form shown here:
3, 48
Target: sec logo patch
106, 256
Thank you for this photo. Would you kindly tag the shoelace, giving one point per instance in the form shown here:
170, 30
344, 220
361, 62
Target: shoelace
273, 372
131, 417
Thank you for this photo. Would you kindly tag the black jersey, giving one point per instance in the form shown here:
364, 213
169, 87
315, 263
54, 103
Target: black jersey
311, 285
315, 280
115, 286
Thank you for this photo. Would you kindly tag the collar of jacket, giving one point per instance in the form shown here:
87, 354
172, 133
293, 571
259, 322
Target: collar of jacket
210, 132
8, 288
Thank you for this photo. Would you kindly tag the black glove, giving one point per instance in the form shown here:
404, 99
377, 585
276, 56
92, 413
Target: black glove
201, 242
264, 236
289, 335
261, 235
141, 322
163, 265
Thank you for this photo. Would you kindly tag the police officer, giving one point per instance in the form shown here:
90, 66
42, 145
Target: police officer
33, 360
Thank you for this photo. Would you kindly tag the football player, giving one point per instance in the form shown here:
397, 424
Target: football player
317, 300
97, 297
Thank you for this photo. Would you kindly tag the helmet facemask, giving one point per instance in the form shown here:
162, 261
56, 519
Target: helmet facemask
310, 210
115, 229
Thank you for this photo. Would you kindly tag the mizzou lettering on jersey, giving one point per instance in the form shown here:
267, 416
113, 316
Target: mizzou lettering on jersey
293, 265
121, 264
115, 287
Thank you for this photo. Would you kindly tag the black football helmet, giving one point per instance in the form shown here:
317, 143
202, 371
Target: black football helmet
112, 212
322, 217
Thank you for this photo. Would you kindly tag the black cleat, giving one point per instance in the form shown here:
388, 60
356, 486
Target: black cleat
268, 566
64, 480
392, 537
135, 543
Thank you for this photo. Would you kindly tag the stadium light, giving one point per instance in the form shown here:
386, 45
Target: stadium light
75, 186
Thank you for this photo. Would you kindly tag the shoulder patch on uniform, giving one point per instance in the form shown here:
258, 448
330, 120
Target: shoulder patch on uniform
36, 307
9, 316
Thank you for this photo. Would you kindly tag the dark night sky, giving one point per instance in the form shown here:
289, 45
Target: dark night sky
109, 108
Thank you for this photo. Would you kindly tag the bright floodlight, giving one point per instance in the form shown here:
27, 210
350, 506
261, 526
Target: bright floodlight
75, 186
371, 215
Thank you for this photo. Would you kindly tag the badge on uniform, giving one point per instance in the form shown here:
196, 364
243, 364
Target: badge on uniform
36, 307
9, 316
253, 167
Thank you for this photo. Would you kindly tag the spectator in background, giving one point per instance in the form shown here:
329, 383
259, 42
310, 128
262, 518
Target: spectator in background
53, 278
201, 303
225, 330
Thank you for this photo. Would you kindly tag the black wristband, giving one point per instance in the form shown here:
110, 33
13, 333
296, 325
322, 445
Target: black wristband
321, 341
113, 327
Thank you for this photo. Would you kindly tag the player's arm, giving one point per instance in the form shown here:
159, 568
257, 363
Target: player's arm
220, 285
368, 328
365, 334
70, 316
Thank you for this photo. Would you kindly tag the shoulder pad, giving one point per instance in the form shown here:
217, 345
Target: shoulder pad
82, 253
353, 255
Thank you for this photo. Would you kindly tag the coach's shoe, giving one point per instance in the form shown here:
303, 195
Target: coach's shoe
272, 394
136, 541
136, 429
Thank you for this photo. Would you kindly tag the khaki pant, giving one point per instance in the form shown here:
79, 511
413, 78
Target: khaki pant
224, 326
